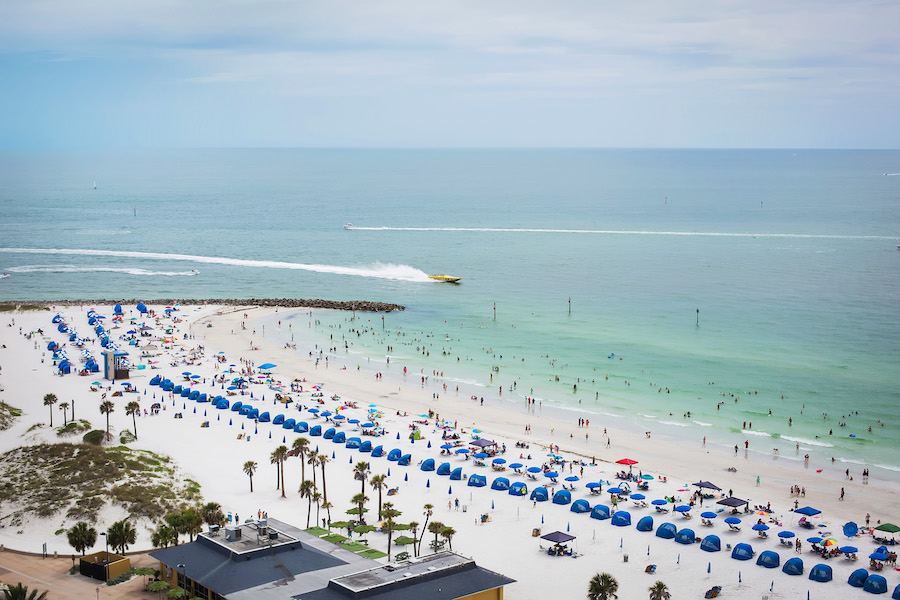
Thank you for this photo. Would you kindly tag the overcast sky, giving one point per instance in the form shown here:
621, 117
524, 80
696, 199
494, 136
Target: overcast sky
439, 73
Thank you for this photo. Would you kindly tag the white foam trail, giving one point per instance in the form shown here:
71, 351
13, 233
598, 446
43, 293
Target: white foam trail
675, 423
702, 424
378, 270
807, 441
634, 232
76, 269
759, 433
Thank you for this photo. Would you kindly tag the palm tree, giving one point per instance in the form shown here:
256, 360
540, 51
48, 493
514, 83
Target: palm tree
436, 527
388, 525
447, 533
327, 506
413, 528
133, 408
81, 536
163, 535
250, 469
191, 522
64, 406
120, 535
20, 592
278, 457
378, 483
659, 591
312, 458
307, 488
106, 407
429, 508
361, 471
360, 501
317, 498
299, 448
602, 586
324, 460
175, 522
50, 400
212, 514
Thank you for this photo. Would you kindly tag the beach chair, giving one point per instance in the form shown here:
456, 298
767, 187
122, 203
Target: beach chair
240, 436
661, 509
734, 527
651, 569
714, 592
393, 491
763, 534
706, 522
687, 515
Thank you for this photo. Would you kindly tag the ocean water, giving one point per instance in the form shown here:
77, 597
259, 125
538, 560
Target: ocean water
651, 283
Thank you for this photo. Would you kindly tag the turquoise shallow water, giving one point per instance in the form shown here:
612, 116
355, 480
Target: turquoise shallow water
790, 258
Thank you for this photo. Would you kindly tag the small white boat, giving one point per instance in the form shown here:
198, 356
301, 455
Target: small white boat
349, 225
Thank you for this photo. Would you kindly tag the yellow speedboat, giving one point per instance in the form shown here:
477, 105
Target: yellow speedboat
445, 278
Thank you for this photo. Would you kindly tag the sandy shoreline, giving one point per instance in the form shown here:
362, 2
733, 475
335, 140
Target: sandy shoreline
213, 456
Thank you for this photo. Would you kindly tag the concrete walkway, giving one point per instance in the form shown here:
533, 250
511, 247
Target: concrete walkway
52, 575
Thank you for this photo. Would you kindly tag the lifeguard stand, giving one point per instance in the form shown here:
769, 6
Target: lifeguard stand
114, 365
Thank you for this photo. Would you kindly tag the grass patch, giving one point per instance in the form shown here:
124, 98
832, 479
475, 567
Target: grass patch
95, 437
35, 426
8, 414
80, 479
73, 428
126, 437
11, 306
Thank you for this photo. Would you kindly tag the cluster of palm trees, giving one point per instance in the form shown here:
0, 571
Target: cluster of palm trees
119, 536
107, 407
188, 521
604, 586
20, 592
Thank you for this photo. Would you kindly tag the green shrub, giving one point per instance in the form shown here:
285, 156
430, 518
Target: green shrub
121, 578
95, 437
126, 437
73, 428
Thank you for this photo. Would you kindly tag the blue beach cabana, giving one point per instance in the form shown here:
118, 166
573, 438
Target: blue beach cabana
645, 524
685, 536
404, 460
793, 566
353, 443
278, 420
236, 407
222, 404
711, 543
301, 427
365, 446
876, 584
395, 454
315, 430
600, 512
821, 573
540, 494
339, 438
377, 451
518, 489
456, 474
581, 506
666, 531
769, 559
193, 395
427, 465
742, 552
500, 484
443, 469
477, 481
562, 497
265, 417
858, 578
622, 518
185, 392
329, 433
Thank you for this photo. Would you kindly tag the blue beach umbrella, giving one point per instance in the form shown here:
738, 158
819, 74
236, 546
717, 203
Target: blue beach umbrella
708, 515
659, 502
534, 469
459, 450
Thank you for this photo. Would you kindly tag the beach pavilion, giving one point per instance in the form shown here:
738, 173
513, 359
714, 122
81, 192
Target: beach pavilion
269, 559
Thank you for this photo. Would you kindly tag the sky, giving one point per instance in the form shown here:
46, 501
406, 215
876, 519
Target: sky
449, 73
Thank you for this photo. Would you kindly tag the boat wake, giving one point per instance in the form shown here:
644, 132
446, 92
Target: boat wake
632, 232
377, 270
77, 269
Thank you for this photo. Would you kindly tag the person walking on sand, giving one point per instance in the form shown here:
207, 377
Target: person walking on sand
842, 493
757, 481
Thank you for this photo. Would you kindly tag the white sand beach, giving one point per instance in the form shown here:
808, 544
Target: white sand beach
213, 456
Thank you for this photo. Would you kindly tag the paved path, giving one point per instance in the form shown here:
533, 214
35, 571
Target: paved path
52, 575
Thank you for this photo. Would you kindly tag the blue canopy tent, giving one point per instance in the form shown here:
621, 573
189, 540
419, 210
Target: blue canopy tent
339, 438
477, 481
253, 414
621, 519
518, 489
315, 430
301, 427
155, 380
377, 451
600, 512
185, 392
278, 420
245, 409
820, 573
645, 524
793, 566
500, 484
876, 584
427, 465
193, 395
858, 578
808, 511
329, 433
222, 404
769, 559
395, 454
443, 469
177, 389
353, 443
742, 552
666, 531
711, 543
204, 397
142, 308
265, 417
562, 497
581, 506
540, 494
365, 446
117, 309
685, 536
456, 474
404, 460
896, 594
167, 385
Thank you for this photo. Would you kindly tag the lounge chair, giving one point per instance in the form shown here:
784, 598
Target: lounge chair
706, 522
660, 509
714, 592
734, 527
650, 569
